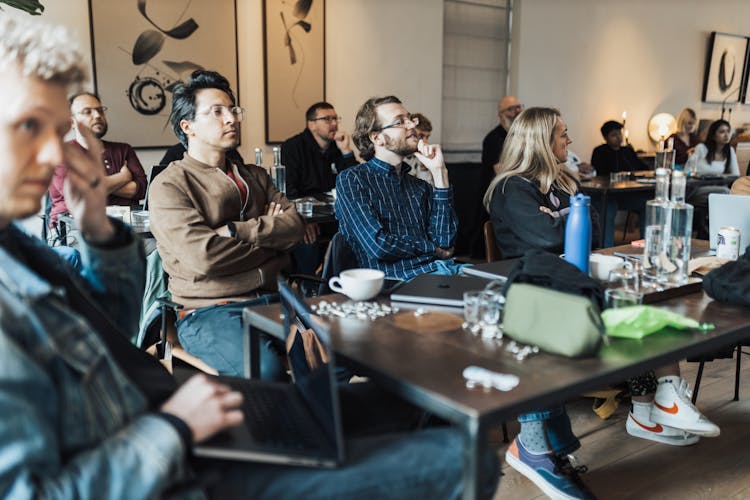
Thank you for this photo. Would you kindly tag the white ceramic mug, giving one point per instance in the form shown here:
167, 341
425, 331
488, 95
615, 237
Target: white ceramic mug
358, 284
600, 265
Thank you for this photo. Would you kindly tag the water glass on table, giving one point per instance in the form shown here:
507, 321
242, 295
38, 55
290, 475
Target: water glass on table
304, 207
491, 314
625, 276
471, 311
622, 297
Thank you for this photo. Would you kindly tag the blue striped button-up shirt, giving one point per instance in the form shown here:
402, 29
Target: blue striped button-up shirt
393, 222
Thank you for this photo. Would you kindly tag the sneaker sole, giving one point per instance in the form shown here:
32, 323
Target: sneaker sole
671, 440
697, 431
535, 478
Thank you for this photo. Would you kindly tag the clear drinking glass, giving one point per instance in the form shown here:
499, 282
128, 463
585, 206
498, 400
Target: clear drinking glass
621, 297
471, 311
624, 277
491, 313
304, 207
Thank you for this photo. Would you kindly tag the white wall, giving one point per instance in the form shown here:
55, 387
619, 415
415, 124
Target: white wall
373, 48
594, 59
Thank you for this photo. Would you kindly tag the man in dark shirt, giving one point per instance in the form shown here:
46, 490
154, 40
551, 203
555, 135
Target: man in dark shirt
507, 109
612, 156
312, 159
314, 156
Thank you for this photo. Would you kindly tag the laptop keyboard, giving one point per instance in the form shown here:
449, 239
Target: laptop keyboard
272, 418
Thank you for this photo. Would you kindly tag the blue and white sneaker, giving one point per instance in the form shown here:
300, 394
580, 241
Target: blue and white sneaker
553, 474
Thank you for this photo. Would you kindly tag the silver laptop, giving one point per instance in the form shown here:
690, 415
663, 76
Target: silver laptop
729, 210
433, 289
295, 424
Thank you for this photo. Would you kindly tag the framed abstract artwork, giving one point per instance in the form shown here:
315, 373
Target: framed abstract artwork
295, 63
142, 48
724, 76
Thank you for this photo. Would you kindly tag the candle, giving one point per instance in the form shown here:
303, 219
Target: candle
670, 144
627, 137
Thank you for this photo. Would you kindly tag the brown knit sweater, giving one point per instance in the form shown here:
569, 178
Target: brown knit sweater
189, 201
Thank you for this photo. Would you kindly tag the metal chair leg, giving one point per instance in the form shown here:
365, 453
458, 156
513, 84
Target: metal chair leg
737, 373
698, 381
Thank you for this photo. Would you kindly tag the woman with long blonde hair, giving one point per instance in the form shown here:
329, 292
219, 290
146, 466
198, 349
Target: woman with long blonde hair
529, 199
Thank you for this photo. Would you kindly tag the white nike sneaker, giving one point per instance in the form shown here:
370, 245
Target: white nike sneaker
657, 432
672, 408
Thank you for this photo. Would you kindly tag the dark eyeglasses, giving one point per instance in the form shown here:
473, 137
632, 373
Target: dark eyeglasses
401, 122
327, 119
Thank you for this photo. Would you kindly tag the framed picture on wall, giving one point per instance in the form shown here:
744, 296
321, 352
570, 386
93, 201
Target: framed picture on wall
724, 76
141, 49
295, 63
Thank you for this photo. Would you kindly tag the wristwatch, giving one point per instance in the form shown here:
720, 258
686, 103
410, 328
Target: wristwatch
232, 229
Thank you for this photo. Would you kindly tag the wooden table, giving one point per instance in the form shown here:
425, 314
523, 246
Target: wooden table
424, 365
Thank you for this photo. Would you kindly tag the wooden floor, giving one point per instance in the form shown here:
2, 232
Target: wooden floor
621, 466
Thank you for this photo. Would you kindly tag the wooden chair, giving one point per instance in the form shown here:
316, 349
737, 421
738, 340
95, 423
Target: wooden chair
491, 251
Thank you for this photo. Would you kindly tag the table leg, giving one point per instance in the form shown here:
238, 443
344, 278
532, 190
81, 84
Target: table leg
475, 449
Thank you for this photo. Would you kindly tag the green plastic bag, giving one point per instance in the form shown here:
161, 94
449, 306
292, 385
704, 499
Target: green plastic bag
635, 322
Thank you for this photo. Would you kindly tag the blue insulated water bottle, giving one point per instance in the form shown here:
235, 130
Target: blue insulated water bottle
578, 232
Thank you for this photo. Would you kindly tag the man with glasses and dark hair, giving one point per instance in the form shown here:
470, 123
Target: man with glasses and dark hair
507, 109
314, 156
393, 221
222, 229
312, 159
125, 181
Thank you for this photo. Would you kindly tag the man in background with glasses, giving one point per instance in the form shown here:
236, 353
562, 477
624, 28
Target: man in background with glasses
222, 229
312, 159
392, 220
125, 181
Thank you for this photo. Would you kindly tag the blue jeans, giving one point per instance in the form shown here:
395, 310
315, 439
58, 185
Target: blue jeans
214, 334
558, 432
421, 464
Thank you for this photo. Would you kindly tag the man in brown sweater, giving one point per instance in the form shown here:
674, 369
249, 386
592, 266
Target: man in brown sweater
223, 231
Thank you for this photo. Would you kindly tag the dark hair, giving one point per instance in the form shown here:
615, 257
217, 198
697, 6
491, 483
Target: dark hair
313, 110
425, 125
183, 98
79, 94
711, 143
609, 127
367, 122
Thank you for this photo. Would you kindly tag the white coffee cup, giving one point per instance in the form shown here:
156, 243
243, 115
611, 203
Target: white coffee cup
600, 265
358, 284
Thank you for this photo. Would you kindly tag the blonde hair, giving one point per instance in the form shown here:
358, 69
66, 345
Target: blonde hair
40, 50
685, 115
527, 152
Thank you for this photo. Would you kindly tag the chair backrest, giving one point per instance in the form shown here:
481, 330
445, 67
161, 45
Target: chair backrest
339, 257
492, 252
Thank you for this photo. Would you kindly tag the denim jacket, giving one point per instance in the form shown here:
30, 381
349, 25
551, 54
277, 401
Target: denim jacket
71, 424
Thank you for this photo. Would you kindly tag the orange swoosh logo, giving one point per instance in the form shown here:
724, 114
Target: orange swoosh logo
671, 410
655, 428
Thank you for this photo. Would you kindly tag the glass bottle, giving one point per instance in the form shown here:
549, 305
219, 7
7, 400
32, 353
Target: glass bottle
278, 171
655, 218
678, 229
578, 232
259, 157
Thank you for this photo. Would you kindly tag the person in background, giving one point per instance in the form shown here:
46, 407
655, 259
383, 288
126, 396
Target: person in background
685, 139
312, 159
424, 130
125, 181
715, 155
612, 156
88, 415
508, 108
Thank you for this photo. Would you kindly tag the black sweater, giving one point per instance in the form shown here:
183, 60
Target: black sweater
518, 223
